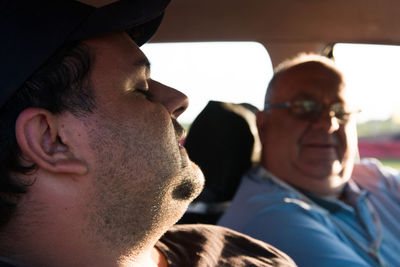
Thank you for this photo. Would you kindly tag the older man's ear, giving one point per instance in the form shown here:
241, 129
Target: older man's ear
43, 142
261, 121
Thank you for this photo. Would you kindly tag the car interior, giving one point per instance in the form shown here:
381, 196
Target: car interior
222, 55
229, 132
363, 36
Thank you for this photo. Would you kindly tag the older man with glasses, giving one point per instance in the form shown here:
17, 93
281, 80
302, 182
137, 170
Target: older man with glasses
308, 197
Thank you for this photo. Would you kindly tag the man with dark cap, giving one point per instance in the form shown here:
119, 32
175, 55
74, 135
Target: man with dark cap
91, 164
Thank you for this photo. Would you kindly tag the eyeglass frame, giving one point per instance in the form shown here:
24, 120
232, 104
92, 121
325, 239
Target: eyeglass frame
289, 105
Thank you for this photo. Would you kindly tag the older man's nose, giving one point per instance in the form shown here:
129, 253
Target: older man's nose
327, 122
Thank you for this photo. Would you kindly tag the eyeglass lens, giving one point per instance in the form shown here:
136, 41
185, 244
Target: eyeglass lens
311, 110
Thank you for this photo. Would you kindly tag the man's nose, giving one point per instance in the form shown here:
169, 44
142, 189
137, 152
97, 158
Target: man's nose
326, 121
173, 100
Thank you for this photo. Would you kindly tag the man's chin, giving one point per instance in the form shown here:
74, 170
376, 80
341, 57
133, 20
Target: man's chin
191, 185
321, 169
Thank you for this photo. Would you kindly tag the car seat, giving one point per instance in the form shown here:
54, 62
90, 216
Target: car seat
224, 142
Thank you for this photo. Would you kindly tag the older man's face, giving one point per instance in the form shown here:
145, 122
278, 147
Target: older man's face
315, 154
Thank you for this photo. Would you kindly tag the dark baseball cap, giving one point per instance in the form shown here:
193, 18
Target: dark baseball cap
32, 30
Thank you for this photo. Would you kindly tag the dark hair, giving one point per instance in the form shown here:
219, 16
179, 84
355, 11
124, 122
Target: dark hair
61, 84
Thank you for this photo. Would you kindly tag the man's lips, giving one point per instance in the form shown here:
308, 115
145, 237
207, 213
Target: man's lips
319, 142
320, 148
180, 133
320, 145
182, 142
181, 137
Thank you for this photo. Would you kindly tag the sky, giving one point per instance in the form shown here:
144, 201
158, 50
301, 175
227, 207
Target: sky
240, 71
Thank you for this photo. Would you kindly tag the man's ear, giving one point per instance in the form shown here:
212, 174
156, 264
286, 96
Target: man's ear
37, 134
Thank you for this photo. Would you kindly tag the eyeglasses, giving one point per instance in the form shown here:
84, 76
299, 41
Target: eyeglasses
308, 109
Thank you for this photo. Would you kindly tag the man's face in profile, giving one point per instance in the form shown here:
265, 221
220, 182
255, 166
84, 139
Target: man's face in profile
313, 154
141, 177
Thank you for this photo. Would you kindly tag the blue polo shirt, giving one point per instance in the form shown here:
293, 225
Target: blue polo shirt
362, 230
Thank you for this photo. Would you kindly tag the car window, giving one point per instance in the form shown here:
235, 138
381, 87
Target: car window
225, 71
372, 73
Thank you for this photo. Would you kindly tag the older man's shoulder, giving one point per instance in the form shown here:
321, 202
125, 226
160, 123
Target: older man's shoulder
371, 174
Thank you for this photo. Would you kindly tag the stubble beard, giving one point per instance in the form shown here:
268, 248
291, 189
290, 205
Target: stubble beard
130, 210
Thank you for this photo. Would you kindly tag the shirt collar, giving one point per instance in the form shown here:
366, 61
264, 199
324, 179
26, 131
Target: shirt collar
351, 194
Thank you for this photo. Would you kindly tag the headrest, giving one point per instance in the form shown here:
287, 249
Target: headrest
223, 141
